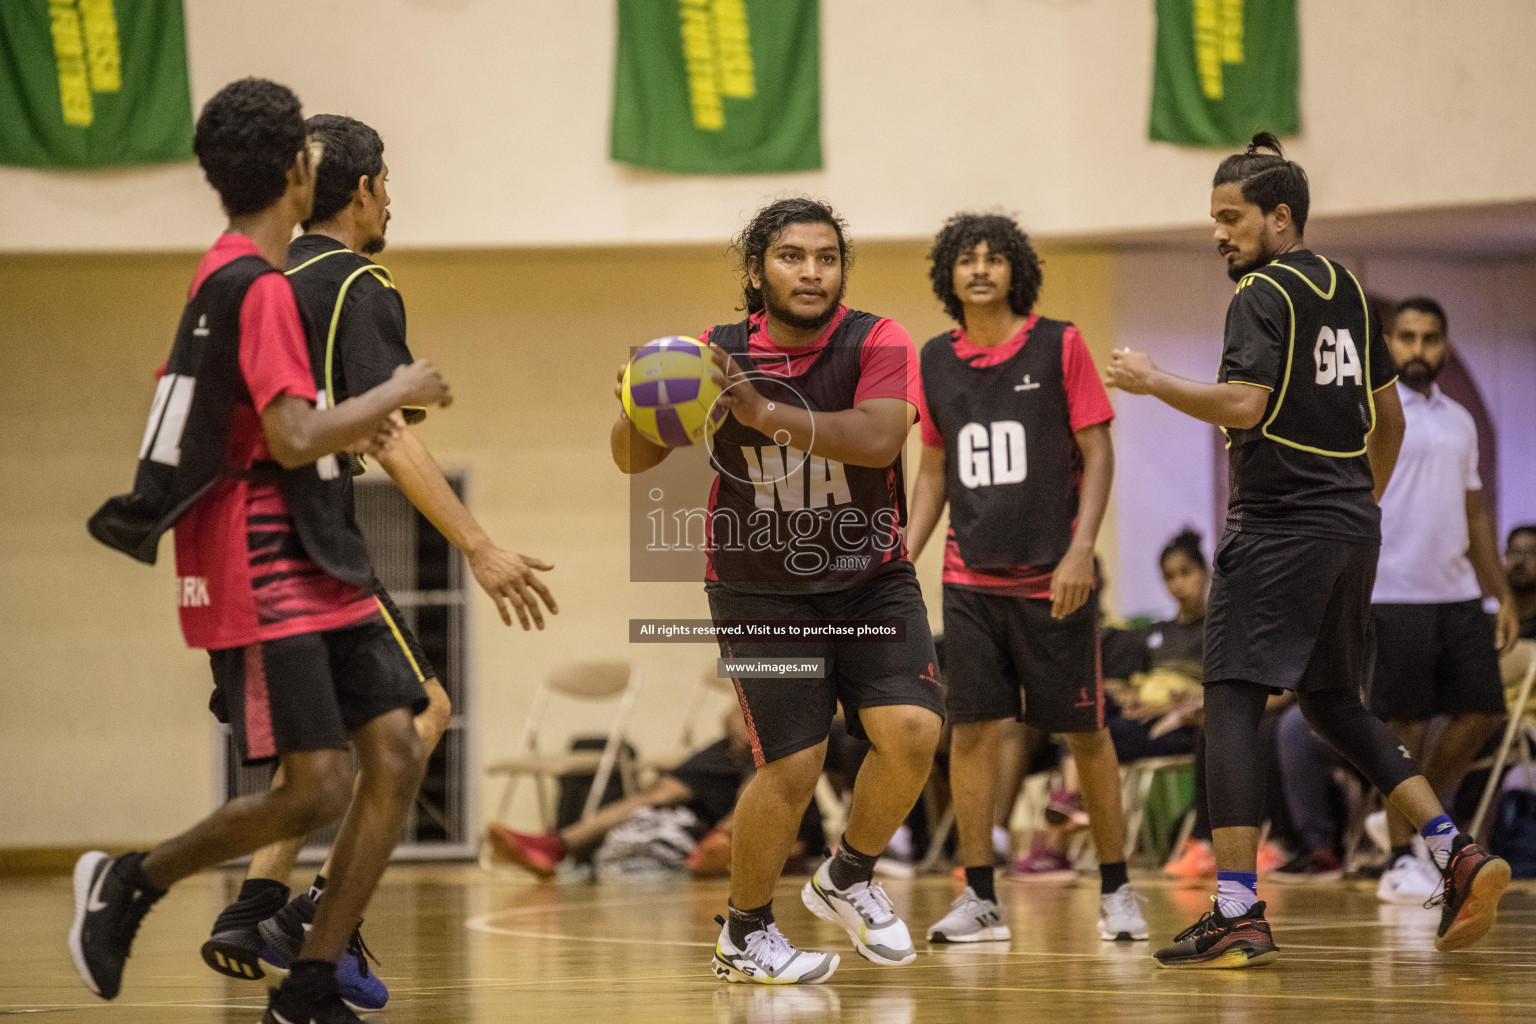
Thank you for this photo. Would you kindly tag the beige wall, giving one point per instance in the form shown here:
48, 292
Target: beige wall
103, 733
496, 117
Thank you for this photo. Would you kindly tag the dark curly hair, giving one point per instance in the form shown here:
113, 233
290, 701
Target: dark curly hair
960, 234
1187, 543
1268, 179
752, 244
352, 150
246, 139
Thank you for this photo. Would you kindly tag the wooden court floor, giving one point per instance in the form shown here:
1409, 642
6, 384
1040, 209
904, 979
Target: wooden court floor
462, 946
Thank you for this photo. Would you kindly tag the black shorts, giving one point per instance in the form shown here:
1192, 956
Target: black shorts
314, 690
1290, 612
1007, 658
393, 617
785, 716
1434, 659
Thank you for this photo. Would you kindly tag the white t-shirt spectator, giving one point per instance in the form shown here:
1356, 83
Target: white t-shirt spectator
1424, 536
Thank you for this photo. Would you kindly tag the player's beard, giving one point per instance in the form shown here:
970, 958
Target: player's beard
1417, 373
780, 311
1238, 271
376, 245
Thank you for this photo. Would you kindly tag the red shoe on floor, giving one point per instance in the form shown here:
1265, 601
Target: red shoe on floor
1271, 859
1195, 862
711, 856
1041, 864
1066, 808
539, 854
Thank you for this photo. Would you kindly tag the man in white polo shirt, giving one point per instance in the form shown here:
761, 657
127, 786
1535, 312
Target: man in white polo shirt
1437, 650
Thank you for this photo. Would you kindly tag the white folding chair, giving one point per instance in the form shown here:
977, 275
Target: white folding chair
1136, 781
1519, 671
692, 721
592, 682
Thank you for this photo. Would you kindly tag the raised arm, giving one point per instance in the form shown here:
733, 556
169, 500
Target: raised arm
1233, 405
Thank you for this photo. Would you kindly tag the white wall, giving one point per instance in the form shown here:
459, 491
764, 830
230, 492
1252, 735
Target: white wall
1172, 305
495, 113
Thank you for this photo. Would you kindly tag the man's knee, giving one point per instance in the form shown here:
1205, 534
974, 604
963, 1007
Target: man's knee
317, 794
1087, 745
794, 775
433, 721
904, 731
967, 738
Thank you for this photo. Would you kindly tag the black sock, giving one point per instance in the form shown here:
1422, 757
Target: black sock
981, 882
1112, 876
132, 871
259, 888
317, 888
1406, 850
744, 922
850, 867
312, 976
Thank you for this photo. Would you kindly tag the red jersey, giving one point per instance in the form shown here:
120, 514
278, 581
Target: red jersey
242, 575
1087, 404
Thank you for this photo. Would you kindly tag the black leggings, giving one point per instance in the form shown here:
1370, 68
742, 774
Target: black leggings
1235, 773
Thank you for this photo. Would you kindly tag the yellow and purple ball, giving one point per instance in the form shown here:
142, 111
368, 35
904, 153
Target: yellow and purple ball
669, 393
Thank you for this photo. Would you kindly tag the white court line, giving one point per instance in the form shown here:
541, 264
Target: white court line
482, 923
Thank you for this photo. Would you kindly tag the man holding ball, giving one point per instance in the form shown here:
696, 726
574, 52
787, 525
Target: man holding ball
806, 515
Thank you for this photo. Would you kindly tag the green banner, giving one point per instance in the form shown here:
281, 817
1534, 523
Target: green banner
718, 86
1225, 69
93, 83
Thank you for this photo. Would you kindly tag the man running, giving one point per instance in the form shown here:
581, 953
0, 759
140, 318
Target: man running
356, 332
240, 457
1305, 394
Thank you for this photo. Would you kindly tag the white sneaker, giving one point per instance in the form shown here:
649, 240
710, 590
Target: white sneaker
971, 919
864, 911
1120, 916
1409, 882
769, 959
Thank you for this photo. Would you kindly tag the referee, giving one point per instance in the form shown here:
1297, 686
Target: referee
1314, 425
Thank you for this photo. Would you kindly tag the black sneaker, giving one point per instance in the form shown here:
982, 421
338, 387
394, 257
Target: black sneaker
1319, 864
1474, 881
308, 1000
1216, 942
234, 948
284, 932
111, 899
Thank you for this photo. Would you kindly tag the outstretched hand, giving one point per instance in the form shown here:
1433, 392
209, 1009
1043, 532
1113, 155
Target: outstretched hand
509, 579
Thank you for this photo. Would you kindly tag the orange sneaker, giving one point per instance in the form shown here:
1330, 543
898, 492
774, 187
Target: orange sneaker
1195, 861
1270, 859
539, 854
711, 857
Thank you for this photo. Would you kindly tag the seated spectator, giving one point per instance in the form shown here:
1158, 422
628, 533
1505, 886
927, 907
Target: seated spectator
707, 783
1306, 768
1520, 566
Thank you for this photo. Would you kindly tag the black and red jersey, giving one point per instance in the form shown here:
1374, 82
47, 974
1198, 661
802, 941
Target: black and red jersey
786, 521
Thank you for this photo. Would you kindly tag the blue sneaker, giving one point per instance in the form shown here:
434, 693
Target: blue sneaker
359, 987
